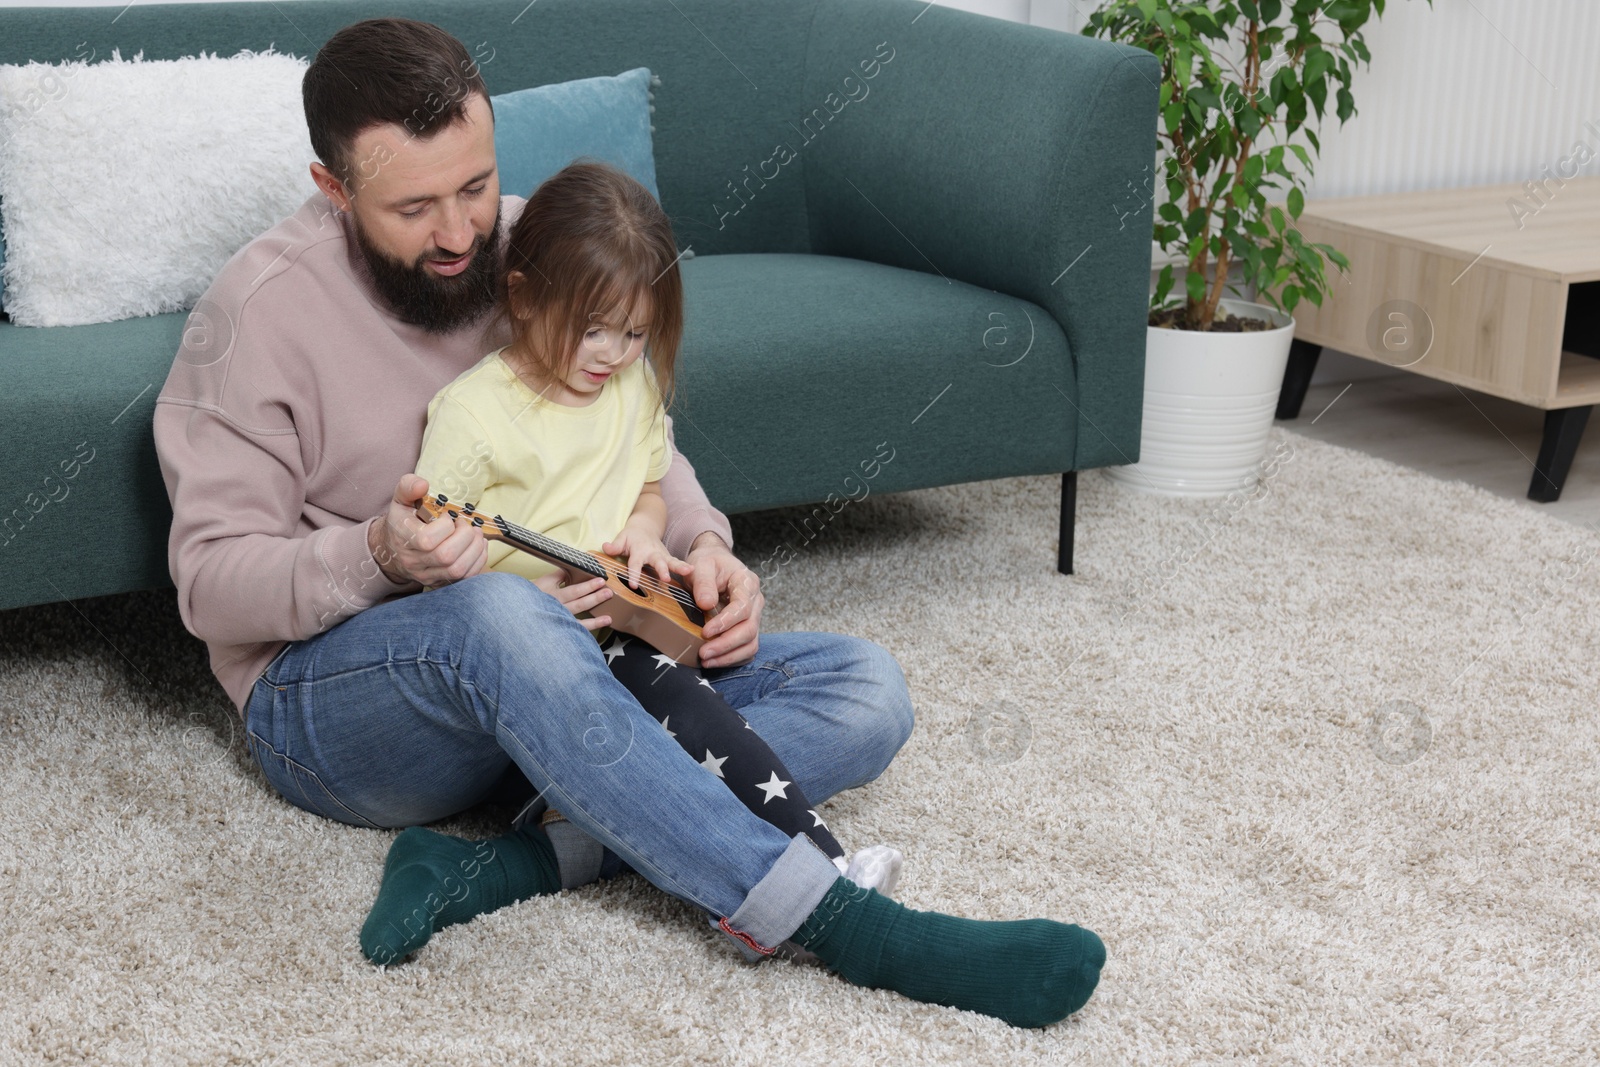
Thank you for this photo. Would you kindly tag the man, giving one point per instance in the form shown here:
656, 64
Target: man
286, 433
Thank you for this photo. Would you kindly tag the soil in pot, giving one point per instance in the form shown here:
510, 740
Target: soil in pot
1172, 319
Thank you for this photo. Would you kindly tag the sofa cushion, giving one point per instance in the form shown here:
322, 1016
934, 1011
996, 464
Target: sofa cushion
796, 368
99, 227
540, 130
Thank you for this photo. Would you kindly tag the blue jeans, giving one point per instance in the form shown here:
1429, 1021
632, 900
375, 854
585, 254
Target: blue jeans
412, 711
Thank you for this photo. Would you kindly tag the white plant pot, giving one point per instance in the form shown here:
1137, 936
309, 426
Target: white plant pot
1209, 399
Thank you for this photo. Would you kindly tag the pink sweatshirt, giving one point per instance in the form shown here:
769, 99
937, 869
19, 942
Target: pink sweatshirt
296, 402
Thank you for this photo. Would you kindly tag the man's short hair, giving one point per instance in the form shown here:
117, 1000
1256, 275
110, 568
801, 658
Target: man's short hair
381, 71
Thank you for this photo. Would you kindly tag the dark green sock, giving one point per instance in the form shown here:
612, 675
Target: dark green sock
432, 880
1031, 972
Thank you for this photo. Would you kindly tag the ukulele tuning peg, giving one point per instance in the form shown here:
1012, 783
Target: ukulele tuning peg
468, 508
441, 498
477, 520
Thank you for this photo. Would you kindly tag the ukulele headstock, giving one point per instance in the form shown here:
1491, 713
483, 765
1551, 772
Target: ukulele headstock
439, 506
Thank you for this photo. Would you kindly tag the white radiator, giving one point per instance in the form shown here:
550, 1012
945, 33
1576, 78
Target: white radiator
1467, 92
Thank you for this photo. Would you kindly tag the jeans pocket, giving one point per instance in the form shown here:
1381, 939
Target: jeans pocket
300, 785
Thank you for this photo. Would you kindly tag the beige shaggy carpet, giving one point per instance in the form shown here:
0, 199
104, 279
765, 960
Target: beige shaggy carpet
1320, 766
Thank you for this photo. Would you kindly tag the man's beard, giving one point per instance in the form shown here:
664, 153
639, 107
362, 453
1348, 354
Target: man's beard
437, 304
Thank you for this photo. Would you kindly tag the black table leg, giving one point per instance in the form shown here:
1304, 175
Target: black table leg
1563, 430
1069, 518
1297, 378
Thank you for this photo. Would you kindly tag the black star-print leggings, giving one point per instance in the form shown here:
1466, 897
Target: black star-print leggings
711, 731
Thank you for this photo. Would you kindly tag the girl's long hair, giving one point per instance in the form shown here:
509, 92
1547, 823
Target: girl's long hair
591, 242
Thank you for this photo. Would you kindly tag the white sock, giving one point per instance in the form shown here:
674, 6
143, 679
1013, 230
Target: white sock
876, 867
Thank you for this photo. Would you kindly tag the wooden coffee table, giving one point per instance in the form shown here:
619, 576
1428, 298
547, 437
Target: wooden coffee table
1454, 285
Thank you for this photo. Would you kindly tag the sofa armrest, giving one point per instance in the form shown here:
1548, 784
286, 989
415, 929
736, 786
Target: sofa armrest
1012, 157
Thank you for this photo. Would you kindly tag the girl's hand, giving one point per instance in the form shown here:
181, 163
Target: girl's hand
641, 550
578, 596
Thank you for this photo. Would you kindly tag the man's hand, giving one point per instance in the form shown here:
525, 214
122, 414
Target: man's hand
737, 627
433, 553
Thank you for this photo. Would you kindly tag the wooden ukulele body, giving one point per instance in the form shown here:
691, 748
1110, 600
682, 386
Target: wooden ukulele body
652, 617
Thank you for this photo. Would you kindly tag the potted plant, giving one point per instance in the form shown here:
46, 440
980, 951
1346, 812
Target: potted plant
1239, 82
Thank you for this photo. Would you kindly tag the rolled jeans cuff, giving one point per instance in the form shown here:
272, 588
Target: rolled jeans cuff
783, 899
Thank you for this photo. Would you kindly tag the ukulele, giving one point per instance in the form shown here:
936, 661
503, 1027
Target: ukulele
661, 613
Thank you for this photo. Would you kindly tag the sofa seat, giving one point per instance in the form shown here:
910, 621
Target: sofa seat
834, 357
851, 362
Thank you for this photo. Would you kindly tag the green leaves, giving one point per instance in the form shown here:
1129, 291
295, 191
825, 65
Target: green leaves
1235, 132
1253, 168
1318, 64
1172, 116
1282, 86
1163, 286
1318, 92
1249, 121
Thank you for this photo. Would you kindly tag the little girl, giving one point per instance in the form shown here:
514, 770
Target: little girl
563, 431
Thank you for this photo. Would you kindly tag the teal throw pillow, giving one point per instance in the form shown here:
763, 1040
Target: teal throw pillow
538, 131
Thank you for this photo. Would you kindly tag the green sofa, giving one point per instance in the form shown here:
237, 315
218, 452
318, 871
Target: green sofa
951, 269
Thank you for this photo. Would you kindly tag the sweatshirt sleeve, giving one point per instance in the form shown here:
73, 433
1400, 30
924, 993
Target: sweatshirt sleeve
245, 571
689, 511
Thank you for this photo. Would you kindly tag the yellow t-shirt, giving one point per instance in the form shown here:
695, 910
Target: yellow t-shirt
573, 474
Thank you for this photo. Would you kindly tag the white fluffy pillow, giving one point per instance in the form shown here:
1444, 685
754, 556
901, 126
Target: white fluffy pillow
126, 185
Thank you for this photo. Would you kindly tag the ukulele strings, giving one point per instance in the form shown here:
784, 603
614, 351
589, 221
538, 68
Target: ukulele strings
677, 593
